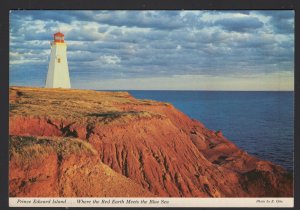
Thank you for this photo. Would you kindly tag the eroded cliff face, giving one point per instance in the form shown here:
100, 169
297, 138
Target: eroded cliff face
151, 143
63, 167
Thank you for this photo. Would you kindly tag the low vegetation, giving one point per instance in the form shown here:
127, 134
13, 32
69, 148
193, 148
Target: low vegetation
97, 106
25, 149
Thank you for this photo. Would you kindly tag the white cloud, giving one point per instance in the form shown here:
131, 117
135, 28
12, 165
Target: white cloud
108, 59
178, 47
160, 44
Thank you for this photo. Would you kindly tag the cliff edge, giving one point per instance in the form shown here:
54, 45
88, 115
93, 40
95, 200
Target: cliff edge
157, 149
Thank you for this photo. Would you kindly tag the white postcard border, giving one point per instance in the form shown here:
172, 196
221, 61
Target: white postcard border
150, 202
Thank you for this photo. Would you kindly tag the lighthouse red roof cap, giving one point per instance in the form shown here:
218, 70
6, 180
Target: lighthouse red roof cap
58, 37
59, 34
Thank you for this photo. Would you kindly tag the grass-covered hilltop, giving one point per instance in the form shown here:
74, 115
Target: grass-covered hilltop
84, 143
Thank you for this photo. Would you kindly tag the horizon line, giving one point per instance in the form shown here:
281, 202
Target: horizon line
231, 90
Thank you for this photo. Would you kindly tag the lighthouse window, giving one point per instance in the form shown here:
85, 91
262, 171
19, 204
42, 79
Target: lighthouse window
58, 60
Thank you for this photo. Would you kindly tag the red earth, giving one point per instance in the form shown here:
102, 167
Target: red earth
150, 144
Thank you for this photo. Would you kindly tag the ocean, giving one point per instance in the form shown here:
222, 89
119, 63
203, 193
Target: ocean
261, 123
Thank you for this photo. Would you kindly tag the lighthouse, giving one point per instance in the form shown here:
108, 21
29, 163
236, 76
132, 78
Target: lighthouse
58, 70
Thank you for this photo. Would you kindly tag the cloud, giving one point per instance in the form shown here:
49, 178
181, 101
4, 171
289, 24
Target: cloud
277, 81
281, 21
107, 59
241, 24
160, 44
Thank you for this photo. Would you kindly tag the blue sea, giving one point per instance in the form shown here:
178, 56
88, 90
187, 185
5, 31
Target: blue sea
261, 123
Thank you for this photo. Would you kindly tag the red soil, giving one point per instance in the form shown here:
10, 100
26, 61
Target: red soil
152, 143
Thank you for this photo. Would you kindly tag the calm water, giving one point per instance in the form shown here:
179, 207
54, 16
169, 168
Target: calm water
261, 123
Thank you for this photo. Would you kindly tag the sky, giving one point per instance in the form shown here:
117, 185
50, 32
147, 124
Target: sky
157, 50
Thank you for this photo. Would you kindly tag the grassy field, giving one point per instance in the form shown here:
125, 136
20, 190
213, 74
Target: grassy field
103, 107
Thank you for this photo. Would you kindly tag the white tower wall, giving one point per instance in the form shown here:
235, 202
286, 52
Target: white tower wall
58, 70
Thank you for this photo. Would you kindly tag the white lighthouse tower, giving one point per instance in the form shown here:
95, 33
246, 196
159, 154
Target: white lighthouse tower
58, 70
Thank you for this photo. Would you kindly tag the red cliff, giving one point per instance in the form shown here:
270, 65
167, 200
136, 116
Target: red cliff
150, 143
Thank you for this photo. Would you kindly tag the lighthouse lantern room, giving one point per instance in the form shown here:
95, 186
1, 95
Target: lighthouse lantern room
58, 71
